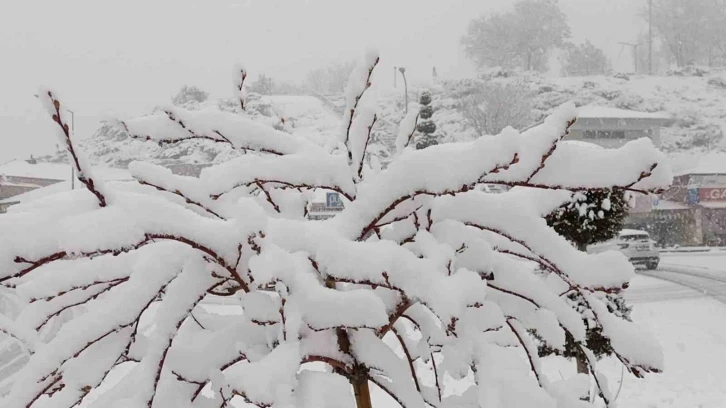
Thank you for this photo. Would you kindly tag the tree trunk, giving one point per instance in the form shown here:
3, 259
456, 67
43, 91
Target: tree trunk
362, 393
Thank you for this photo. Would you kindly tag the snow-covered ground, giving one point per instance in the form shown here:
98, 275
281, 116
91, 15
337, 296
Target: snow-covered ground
693, 337
712, 260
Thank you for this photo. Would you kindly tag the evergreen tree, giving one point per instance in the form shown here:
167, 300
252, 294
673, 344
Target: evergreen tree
591, 217
426, 125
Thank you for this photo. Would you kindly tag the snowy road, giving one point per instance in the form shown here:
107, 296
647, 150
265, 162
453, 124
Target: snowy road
694, 275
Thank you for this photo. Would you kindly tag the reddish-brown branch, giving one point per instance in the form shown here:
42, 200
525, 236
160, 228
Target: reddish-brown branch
410, 136
268, 196
402, 218
365, 147
167, 346
403, 305
240, 86
408, 358
549, 153
45, 390
282, 319
532, 365
112, 285
33, 265
82, 287
80, 173
201, 385
248, 400
436, 375
327, 360
515, 294
464, 188
285, 185
180, 194
387, 391
353, 109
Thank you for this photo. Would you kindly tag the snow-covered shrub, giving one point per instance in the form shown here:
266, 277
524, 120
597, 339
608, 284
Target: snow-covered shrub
189, 94
718, 80
421, 278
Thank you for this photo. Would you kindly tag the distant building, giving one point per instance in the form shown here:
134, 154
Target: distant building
18, 177
23, 181
693, 210
612, 128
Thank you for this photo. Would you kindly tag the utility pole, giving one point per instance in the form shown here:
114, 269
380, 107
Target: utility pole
650, 37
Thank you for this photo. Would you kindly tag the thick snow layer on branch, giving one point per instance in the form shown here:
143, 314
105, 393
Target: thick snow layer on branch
213, 124
298, 171
357, 85
637, 346
573, 165
354, 308
19, 331
501, 376
106, 317
372, 351
437, 170
270, 380
608, 269
405, 130
323, 390
360, 133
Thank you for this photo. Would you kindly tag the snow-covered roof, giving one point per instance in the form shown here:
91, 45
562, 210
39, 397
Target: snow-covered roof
713, 163
581, 143
43, 192
670, 205
56, 171
601, 112
626, 232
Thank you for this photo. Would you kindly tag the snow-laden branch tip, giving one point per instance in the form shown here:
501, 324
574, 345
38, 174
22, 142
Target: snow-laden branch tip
240, 88
52, 105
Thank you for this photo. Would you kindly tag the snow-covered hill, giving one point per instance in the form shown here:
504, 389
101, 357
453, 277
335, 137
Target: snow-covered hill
697, 103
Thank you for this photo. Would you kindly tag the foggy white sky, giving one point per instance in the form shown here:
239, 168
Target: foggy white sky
120, 58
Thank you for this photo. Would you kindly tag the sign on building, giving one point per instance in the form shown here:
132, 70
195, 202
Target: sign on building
694, 196
712, 194
330, 208
332, 200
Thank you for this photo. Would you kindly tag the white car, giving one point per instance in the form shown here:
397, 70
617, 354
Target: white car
636, 245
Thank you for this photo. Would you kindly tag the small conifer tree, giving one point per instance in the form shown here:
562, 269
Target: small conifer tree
426, 125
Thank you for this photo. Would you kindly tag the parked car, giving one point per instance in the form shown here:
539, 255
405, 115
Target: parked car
635, 244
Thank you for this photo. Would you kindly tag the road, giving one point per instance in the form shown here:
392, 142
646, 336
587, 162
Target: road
684, 276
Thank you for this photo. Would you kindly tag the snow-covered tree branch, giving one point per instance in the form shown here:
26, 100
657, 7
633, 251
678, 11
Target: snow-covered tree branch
421, 276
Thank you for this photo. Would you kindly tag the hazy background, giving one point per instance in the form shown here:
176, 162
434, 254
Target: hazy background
121, 58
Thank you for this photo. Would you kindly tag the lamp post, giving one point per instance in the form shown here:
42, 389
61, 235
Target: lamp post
402, 70
73, 129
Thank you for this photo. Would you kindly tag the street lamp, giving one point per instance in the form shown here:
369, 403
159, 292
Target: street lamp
405, 85
73, 129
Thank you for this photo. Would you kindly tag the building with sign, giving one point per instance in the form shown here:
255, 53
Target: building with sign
612, 128
693, 210
323, 210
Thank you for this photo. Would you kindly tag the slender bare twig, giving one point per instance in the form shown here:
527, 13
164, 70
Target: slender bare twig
83, 176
